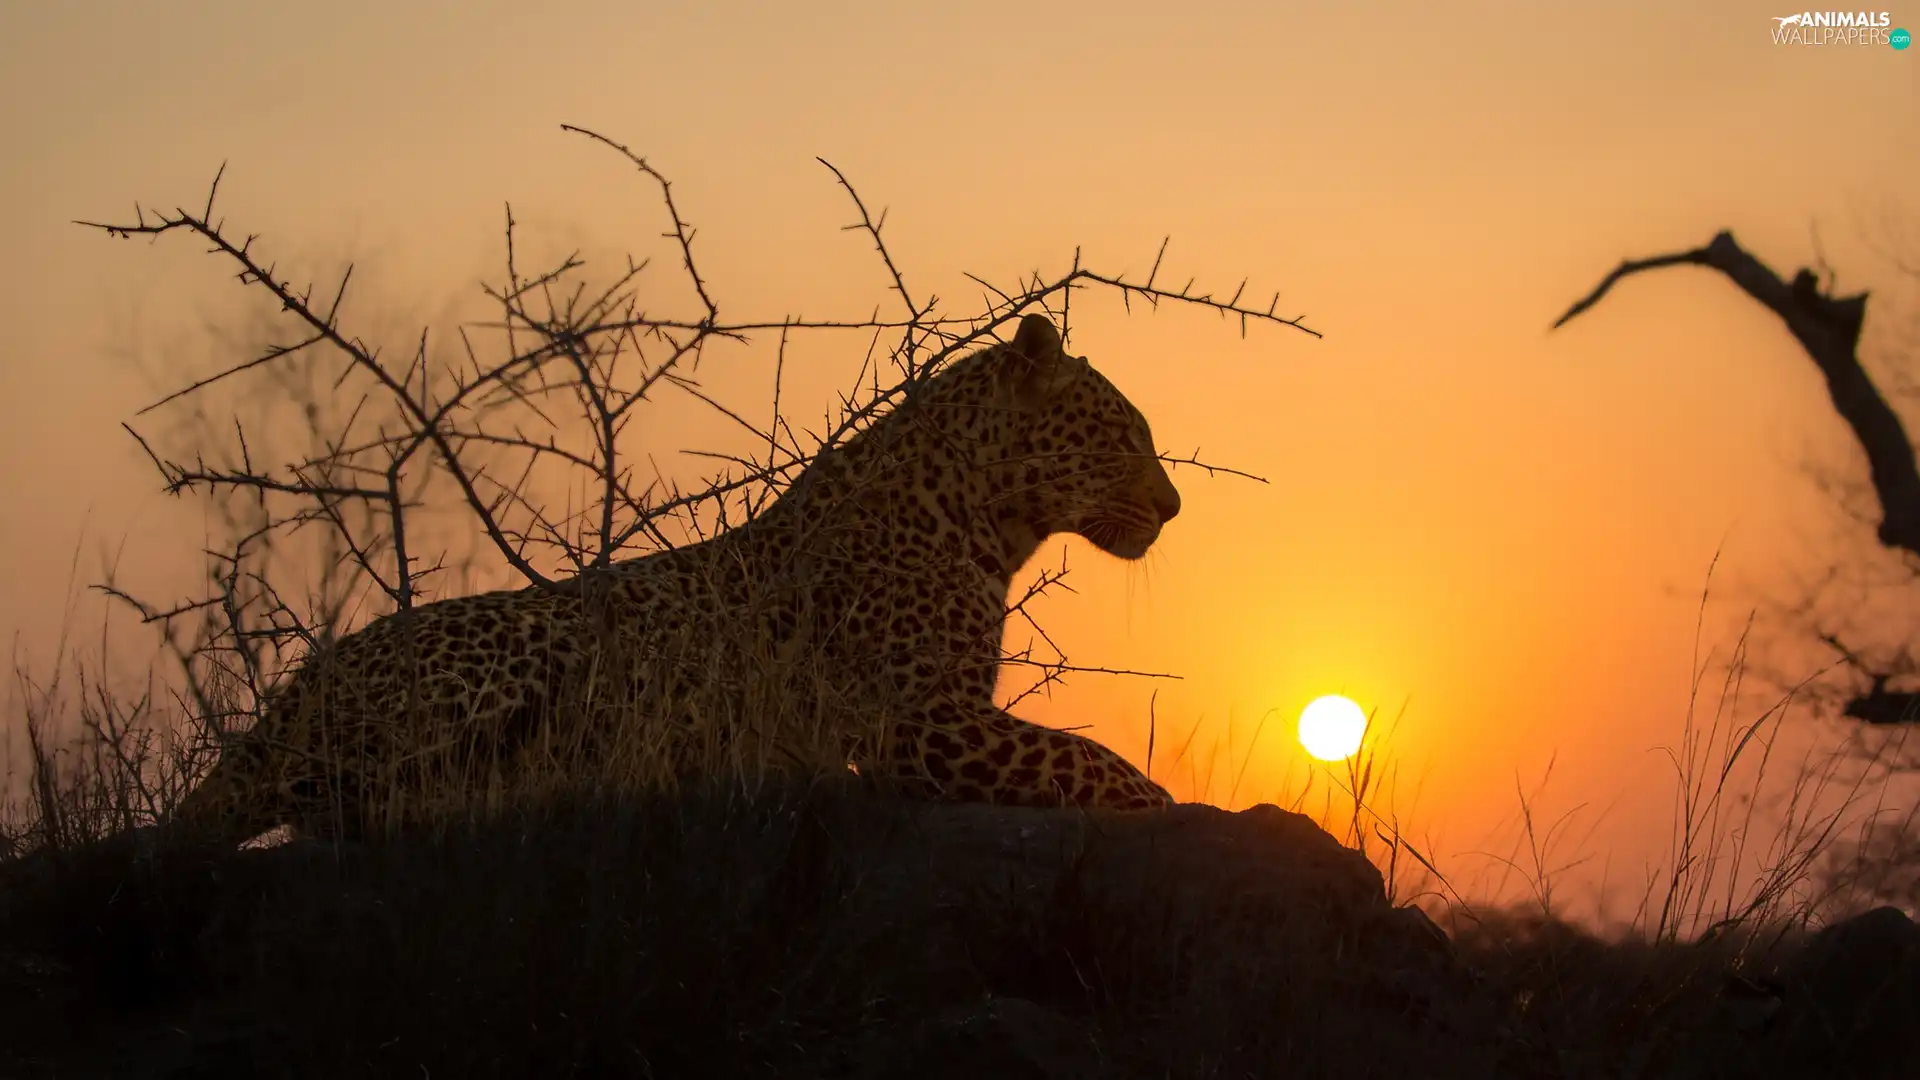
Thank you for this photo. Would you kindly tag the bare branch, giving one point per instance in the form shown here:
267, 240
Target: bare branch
1828, 328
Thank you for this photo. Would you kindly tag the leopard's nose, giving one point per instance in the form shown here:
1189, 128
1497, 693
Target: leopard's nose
1166, 500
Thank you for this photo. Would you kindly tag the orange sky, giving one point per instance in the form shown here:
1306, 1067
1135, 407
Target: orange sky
1506, 530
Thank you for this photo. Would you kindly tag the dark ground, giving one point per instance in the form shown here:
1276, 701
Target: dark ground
826, 929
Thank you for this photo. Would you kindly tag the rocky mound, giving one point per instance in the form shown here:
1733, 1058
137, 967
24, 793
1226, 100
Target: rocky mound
827, 930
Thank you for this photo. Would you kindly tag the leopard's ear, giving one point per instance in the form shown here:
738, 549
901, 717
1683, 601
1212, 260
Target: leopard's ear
1045, 369
1037, 339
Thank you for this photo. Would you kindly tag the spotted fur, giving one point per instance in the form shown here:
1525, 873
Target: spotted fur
889, 561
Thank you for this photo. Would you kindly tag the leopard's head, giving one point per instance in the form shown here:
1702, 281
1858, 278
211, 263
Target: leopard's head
1062, 449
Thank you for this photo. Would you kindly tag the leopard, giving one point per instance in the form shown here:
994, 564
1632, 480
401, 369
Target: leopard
889, 559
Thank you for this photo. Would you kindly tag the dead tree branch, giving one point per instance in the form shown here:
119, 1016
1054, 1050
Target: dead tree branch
1828, 329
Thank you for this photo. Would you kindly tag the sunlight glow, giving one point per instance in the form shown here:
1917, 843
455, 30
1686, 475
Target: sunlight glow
1331, 727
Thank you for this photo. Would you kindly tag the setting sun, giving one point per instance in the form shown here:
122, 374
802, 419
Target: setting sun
1331, 727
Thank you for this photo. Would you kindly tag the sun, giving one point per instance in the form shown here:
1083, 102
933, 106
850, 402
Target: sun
1331, 727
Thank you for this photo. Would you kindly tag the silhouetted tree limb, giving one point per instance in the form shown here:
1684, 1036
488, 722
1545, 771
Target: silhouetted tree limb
1878, 705
1828, 328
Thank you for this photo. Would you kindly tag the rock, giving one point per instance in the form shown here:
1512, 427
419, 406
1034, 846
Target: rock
1851, 998
1194, 912
824, 932
1006, 1038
